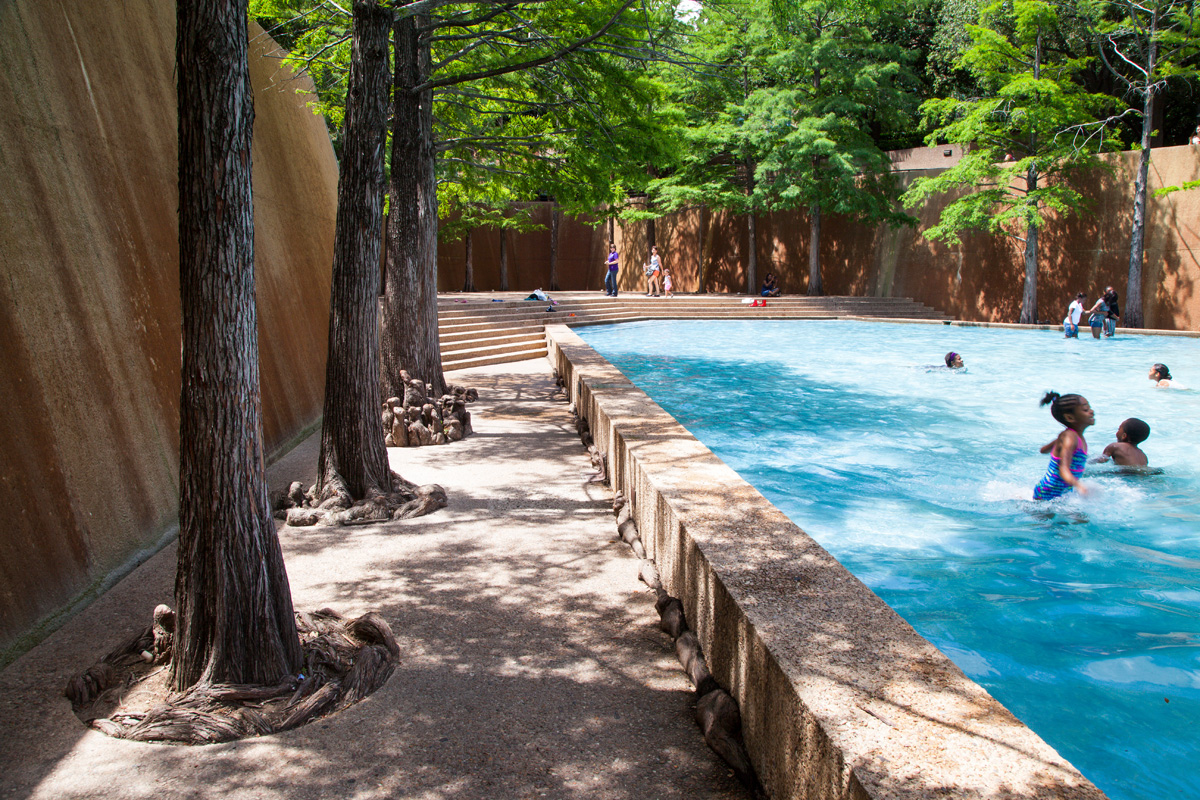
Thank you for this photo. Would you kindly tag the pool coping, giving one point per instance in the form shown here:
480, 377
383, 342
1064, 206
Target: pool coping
840, 697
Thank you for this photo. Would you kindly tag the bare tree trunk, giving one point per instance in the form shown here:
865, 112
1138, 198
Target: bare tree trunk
1029, 296
815, 289
554, 218
705, 247
410, 323
469, 280
752, 254
504, 259
1134, 310
353, 457
650, 235
235, 621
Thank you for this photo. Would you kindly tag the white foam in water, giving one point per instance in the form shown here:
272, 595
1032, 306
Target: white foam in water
920, 479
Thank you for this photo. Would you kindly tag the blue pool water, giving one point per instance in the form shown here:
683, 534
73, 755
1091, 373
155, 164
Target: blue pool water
1082, 615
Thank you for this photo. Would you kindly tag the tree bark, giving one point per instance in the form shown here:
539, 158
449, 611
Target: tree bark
554, 221
815, 289
410, 323
504, 259
353, 457
235, 621
752, 254
469, 280
705, 245
1029, 296
1134, 316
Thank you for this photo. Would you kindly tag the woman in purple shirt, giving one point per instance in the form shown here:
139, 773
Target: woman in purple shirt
610, 277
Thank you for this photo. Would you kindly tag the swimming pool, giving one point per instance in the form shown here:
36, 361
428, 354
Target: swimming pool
1082, 615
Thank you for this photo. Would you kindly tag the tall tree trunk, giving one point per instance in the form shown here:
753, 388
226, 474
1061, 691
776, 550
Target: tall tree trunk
235, 621
504, 259
815, 289
469, 280
554, 219
1029, 296
353, 458
410, 323
1134, 311
751, 254
705, 247
650, 234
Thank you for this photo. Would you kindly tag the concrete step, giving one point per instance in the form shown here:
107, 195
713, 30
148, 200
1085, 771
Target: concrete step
478, 357
511, 340
475, 331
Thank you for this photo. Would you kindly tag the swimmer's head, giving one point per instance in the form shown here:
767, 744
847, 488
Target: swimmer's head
953, 359
1134, 430
1159, 372
1072, 410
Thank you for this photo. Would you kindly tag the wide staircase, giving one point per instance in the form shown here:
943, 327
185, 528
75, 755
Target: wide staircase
476, 329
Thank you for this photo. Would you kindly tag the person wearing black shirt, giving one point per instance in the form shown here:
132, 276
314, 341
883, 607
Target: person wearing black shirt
1114, 312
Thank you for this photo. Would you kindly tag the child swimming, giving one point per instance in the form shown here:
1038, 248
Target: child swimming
1068, 452
1161, 376
953, 360
1125, 452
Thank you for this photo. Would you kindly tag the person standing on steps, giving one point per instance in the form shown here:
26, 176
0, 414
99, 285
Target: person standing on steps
610, 275
654, 274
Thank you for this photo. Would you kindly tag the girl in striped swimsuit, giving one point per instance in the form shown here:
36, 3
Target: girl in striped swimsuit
1068, 453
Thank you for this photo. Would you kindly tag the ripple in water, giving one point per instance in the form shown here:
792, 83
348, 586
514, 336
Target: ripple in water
1082, 615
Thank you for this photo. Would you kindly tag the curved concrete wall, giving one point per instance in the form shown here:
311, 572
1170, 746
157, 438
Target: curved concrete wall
89, 289
979, 280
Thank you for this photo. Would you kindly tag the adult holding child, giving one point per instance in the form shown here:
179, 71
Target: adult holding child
1114, 311
1097, 315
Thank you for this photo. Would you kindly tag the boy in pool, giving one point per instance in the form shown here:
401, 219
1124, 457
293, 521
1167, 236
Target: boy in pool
1124, 451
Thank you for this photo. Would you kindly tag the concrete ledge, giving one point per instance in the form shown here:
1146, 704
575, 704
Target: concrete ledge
840, 697
1041, 326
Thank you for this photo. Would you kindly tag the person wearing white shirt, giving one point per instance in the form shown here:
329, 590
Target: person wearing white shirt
1074, 314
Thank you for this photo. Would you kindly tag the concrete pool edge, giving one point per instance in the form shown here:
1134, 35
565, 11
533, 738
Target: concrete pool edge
840, 697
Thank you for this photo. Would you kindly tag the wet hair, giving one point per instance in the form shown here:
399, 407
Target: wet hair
950, 358
1135, 430
1062, 404
1162, 372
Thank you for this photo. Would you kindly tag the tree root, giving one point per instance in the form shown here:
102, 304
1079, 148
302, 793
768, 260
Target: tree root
344, 661
405, 501
416, 419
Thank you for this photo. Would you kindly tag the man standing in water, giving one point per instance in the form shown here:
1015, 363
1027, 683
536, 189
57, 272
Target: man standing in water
1074, 314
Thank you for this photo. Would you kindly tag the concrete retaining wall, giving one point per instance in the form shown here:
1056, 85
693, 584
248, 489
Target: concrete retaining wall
89, 296
840, 697
979, 280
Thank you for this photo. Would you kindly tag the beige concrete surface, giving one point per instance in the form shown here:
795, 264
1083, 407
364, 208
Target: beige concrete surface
532, 665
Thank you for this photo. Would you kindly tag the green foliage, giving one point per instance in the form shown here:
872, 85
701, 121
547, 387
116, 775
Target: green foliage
1027, 135
784, 115
528, 101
